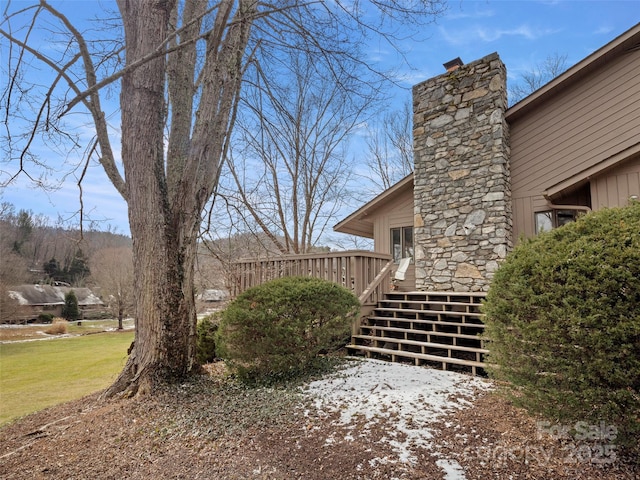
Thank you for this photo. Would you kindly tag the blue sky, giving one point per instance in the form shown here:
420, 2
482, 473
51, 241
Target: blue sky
524, 33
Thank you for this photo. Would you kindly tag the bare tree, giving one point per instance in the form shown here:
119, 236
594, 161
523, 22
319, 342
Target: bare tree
13, 271
289, 170
112, 271
225, 251
184, 62
31, 237
13, 268
390, 148
539, 75
22, 234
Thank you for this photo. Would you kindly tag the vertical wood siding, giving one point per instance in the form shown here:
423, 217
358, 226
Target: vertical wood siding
615, 188
397, 213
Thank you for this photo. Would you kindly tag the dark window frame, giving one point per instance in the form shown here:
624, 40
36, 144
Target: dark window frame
402, 243
554, 218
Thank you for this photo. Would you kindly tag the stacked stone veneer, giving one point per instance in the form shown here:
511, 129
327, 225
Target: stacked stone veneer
462, 192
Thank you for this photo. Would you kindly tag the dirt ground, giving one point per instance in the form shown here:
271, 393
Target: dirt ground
207, 429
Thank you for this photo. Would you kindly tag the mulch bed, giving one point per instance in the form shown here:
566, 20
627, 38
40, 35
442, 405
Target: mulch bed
206, 429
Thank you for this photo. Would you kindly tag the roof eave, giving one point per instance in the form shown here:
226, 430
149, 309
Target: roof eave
589, 173
354, 224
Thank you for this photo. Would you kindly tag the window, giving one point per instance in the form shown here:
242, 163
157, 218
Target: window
565, 216
545, 221
401, 243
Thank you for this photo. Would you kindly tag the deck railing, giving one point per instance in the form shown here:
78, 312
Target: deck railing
366, 274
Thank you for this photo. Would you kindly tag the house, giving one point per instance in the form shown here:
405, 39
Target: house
49, 299
487, 174
212, 296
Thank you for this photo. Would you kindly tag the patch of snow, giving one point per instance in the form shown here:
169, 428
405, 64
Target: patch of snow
92, 299
452, 469
413, 397
18, 296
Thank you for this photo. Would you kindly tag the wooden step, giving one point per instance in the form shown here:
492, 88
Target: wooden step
431, 305
429, 302
435, 345
425, 327
414, 321
474, 297
436, 313
429, 333
444, 361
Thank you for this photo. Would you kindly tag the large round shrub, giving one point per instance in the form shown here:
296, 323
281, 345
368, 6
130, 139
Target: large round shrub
275, 330
563, 321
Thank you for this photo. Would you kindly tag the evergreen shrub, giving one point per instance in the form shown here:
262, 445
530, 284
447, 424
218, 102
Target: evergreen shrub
45, 318
205, 338
70, 310
278, 329
563, 322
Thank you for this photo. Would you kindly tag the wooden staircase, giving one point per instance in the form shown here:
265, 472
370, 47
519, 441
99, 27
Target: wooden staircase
435, 328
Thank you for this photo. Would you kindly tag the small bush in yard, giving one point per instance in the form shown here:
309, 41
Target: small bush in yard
58, 326
45, 318
205, 341
277, 330
563, 322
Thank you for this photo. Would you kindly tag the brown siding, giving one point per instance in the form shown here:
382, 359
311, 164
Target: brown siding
614, 188
398, 213
381, 234
595, 119
522, 209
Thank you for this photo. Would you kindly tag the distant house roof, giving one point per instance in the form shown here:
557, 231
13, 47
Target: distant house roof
360, 222
40, 295
212, 296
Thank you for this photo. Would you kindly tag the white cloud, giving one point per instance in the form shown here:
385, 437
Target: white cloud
414, 77
462, 15
474, 34
603, 30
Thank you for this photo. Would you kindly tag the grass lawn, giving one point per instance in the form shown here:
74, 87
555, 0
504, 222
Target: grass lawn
39, 374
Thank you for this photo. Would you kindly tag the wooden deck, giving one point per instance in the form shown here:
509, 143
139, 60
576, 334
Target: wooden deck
366, 274
436, 328
441, 329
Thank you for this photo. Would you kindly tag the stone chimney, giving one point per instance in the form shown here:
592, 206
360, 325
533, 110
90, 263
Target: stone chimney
462, 187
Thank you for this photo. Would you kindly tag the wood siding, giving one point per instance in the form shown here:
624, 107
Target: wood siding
395, 214
615, 188
581, 127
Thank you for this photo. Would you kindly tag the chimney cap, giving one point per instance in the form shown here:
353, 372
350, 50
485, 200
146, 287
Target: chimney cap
453, 64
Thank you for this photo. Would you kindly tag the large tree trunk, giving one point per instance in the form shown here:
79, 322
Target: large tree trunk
165, 205
164, 343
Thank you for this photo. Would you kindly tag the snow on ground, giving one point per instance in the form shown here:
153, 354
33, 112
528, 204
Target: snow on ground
366, 391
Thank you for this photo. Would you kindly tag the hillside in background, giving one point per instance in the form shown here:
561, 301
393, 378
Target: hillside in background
35, 252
